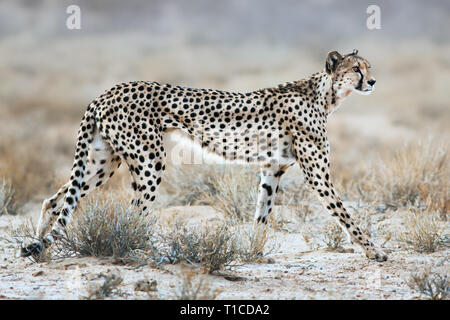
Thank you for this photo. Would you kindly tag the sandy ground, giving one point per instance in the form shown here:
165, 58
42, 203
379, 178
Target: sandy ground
291, 271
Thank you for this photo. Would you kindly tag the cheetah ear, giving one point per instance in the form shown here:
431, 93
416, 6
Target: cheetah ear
333, 59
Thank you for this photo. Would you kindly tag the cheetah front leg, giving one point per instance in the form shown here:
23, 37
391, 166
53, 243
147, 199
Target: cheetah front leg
314, 162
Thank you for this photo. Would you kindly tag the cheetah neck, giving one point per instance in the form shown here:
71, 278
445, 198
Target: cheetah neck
321, 91
318, 89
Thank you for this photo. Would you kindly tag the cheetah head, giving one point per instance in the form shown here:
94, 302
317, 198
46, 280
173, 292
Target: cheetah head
349, 73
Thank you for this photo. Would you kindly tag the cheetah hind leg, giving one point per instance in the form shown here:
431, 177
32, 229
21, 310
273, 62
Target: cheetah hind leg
49, 212
101, 166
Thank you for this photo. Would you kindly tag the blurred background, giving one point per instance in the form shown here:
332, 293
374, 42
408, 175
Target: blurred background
49, 73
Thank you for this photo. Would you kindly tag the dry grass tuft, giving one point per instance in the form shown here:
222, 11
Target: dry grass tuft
414, 175
433, 285
236, 193
188, 185
252, 243
231, 190
211, 247
107, 288
27, 172
329, 235
423, 231
333, 236
104, 228
8, 205
146, 286
195, 288
309, 236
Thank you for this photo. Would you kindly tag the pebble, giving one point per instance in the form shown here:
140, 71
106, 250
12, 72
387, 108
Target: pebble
38, 273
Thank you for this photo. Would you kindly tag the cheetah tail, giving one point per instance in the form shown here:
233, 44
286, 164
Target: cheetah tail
85, 138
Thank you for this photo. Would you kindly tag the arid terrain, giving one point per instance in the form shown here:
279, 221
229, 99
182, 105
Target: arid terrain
389, 159
292, 271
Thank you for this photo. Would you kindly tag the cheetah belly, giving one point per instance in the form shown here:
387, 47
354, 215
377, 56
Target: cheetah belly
241, 146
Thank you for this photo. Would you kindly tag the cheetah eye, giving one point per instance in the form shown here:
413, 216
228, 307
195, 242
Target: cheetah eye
356, 69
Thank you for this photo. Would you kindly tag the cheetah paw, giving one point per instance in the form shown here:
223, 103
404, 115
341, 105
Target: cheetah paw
379, 256
34, 249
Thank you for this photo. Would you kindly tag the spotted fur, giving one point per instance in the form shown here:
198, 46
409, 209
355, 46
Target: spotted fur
275, 127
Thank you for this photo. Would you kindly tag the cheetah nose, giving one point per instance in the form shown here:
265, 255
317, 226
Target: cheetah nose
371, 82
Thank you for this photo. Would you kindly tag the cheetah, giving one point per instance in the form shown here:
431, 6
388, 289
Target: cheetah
274, 128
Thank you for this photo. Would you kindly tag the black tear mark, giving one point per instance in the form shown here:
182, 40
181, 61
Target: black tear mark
279, 173
360, 83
